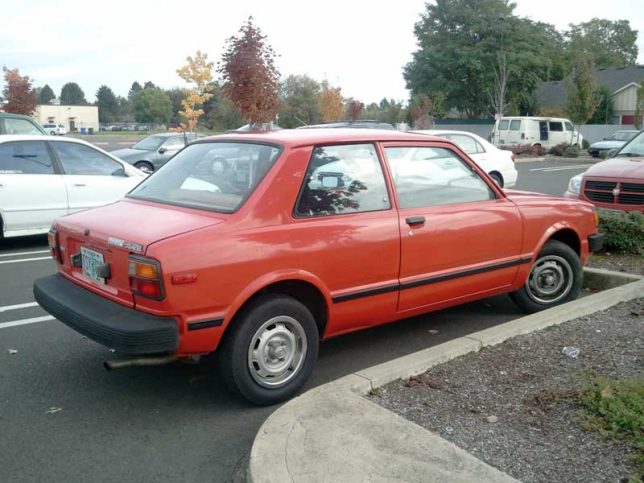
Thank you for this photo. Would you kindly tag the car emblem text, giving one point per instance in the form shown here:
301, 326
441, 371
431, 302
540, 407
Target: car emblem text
117, 242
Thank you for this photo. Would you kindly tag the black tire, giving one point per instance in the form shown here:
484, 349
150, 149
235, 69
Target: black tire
555, 278
272, 316
144, 166
498, 179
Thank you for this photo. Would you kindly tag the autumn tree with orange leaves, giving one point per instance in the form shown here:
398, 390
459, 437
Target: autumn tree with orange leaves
17, 93
331, 103
250, 78
198, 74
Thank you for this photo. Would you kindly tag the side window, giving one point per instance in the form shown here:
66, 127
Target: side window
515, 125
20, 126
29, 157
426, 176
569, 127
503, 125
466, 143
174, 143
343, 179
556, 126
83, 160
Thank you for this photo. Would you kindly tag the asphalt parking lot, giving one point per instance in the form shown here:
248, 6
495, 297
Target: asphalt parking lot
64, 418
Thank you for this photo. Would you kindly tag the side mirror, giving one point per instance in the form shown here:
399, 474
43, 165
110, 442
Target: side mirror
162, 150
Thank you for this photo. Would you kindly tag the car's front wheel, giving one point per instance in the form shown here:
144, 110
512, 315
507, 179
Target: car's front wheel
555, 278
269, 352
144, 166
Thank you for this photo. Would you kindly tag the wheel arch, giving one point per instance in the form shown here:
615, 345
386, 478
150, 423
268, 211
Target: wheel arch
498, 173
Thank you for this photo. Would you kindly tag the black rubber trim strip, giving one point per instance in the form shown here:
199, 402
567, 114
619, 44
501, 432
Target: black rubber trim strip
204, 324
127, 330
429, 280
596, 242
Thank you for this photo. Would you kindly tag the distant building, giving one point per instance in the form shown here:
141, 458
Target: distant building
74, 118
623, 83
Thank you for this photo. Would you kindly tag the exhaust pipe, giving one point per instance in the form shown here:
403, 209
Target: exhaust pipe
138, 361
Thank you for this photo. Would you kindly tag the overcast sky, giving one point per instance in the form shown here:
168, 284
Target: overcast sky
358, 45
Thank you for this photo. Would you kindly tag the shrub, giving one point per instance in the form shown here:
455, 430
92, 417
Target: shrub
624, 232
525, 149
571, 151
585, 144
557, 150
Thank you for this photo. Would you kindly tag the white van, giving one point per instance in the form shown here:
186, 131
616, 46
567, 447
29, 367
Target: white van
535, 131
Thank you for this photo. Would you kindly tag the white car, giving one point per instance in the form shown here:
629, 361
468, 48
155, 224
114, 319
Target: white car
55, 129
42, 178
498, 163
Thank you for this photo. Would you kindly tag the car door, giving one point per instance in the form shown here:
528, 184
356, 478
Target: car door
459, 235
32, 192
169, 148
91, 177
472, 148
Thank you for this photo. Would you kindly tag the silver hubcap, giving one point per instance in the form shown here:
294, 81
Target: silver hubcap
277, 352
550, 280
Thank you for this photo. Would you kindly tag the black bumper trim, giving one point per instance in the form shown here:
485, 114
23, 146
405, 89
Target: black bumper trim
109, 323
596, 242
204, 324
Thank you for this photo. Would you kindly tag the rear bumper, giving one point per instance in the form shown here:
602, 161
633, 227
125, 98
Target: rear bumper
596, 242
106, 322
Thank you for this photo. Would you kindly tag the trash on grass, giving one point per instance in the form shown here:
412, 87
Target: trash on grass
13, 352
53, 410
570, 351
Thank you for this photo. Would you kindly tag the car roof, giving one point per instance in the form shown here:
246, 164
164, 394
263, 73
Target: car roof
16, 116
40, 137
305, 137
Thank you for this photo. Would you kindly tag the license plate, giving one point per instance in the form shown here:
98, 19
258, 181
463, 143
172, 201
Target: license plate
91, 261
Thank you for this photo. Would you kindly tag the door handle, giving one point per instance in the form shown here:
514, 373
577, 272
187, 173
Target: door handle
80, 184
415, 220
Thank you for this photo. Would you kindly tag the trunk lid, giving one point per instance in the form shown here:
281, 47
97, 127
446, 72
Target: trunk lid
108, 235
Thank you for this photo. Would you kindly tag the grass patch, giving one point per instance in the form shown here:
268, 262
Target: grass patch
616, 410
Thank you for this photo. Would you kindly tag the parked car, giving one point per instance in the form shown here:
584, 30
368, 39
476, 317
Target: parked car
19, 124
42, 178
55, 129
614, 141
616, 183
498, 163
535, 131
259, 245
154, 151
359, 124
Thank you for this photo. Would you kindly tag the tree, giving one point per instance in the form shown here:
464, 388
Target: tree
220, 113
72, 94
108, 105
604, 111
330, 102
198, 74
134, 90
499, 89
299, 104
582, 92
46, 95
424, 109
150, 85
152, 105
250, 78
354, 109
17, 93
608, 43
176, 96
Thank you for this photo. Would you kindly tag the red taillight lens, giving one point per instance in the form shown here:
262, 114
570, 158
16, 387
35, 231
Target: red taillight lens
54, 246
145, 277
514, 159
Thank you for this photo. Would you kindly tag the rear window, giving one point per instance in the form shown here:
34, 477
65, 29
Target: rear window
212, 176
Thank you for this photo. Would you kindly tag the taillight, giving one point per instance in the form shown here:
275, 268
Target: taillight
54, 246
513, 157
145, 277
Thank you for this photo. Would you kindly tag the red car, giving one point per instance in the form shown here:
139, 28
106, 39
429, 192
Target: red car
258, 245
614, 184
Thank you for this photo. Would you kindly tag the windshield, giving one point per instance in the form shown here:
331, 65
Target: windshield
213, 176
634, 148
621, 136
150, 143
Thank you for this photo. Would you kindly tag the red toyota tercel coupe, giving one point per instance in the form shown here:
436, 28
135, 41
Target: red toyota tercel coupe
258, 245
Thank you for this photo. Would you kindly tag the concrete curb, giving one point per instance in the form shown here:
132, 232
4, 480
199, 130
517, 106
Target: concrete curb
332, 433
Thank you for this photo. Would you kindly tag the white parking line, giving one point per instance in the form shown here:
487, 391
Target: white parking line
6, 308
17, 254
5, 325
25, 260
100, 144
561, 168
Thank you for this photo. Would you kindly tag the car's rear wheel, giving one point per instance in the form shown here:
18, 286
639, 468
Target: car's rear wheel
498, 179
144, 166
555, 278
270, 349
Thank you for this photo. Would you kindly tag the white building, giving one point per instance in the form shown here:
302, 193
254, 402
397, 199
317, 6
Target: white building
74, 118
